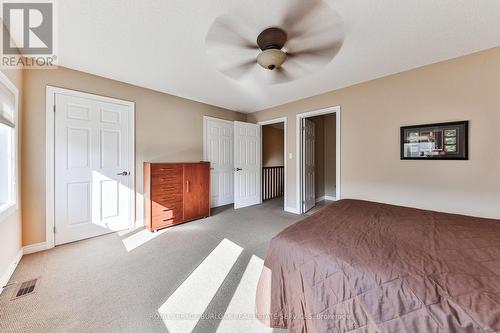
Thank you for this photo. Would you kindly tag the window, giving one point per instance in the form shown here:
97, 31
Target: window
8, 145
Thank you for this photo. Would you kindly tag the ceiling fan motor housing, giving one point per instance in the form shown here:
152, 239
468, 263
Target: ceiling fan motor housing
271, 41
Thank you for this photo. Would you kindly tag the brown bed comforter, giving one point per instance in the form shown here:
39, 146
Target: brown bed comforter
360, 266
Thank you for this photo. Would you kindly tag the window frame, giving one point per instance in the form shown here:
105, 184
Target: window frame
6, 210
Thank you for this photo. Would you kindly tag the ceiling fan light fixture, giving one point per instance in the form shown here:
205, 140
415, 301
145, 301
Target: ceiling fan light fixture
271, 58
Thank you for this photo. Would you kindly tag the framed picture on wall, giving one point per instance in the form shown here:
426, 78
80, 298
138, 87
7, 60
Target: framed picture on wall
443, 141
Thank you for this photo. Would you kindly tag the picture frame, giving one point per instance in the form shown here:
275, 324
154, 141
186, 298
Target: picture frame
439, 141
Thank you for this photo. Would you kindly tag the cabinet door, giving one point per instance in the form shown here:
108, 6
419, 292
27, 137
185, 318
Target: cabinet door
196, 190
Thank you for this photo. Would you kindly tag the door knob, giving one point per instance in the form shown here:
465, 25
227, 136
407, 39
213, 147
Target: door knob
123, 173
238, 169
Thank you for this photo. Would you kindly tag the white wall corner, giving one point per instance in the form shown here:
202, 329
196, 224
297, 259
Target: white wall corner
35, 248
5, 277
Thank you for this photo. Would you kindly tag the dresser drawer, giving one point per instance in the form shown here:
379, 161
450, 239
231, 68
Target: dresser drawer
168, 170
166, 192
163, 217
159, 223
167, 198
163, 211
165, 179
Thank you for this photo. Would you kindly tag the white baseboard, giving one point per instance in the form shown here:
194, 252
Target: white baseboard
35, 248
292, 210
326, 197
4, 279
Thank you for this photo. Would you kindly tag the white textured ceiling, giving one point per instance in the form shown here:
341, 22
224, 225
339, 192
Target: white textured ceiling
160, 44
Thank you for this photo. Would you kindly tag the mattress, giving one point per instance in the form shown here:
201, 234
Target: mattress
359, 266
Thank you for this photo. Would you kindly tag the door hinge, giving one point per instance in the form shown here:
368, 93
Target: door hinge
54, 229
54, 108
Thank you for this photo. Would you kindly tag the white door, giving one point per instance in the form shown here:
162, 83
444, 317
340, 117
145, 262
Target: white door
218, 150
247, 164
93, 167
308, 165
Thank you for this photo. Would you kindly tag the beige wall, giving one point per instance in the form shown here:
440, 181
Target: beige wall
273, 145
168, 129
10, 227
465, 88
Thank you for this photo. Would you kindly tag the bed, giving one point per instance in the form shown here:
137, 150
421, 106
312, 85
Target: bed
359, 266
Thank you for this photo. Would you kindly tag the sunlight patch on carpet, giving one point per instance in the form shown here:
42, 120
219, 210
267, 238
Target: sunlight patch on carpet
184, 308
240, 314
140, 238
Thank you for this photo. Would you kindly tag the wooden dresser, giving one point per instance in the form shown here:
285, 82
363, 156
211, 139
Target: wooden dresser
175, 193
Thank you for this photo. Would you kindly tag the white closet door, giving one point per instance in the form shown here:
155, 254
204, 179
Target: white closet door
219, 146
247, 164
308, 165
93, 186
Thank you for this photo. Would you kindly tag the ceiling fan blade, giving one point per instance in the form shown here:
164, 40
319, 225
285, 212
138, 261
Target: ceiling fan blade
286, 73
298, 12
239, 70
319, 55
318, 46
321, 28
281, 75
225, 32
319, 34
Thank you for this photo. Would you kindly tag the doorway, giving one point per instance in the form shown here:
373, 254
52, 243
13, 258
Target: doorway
274, 160
318, 162
234, 150
90, 171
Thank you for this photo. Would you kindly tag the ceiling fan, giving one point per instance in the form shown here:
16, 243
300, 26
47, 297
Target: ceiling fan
298, 37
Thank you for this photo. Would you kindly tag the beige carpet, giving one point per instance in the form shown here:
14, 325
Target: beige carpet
117, 283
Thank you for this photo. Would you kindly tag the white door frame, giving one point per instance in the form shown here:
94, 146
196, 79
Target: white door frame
285, 126
50, 155
300, 116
